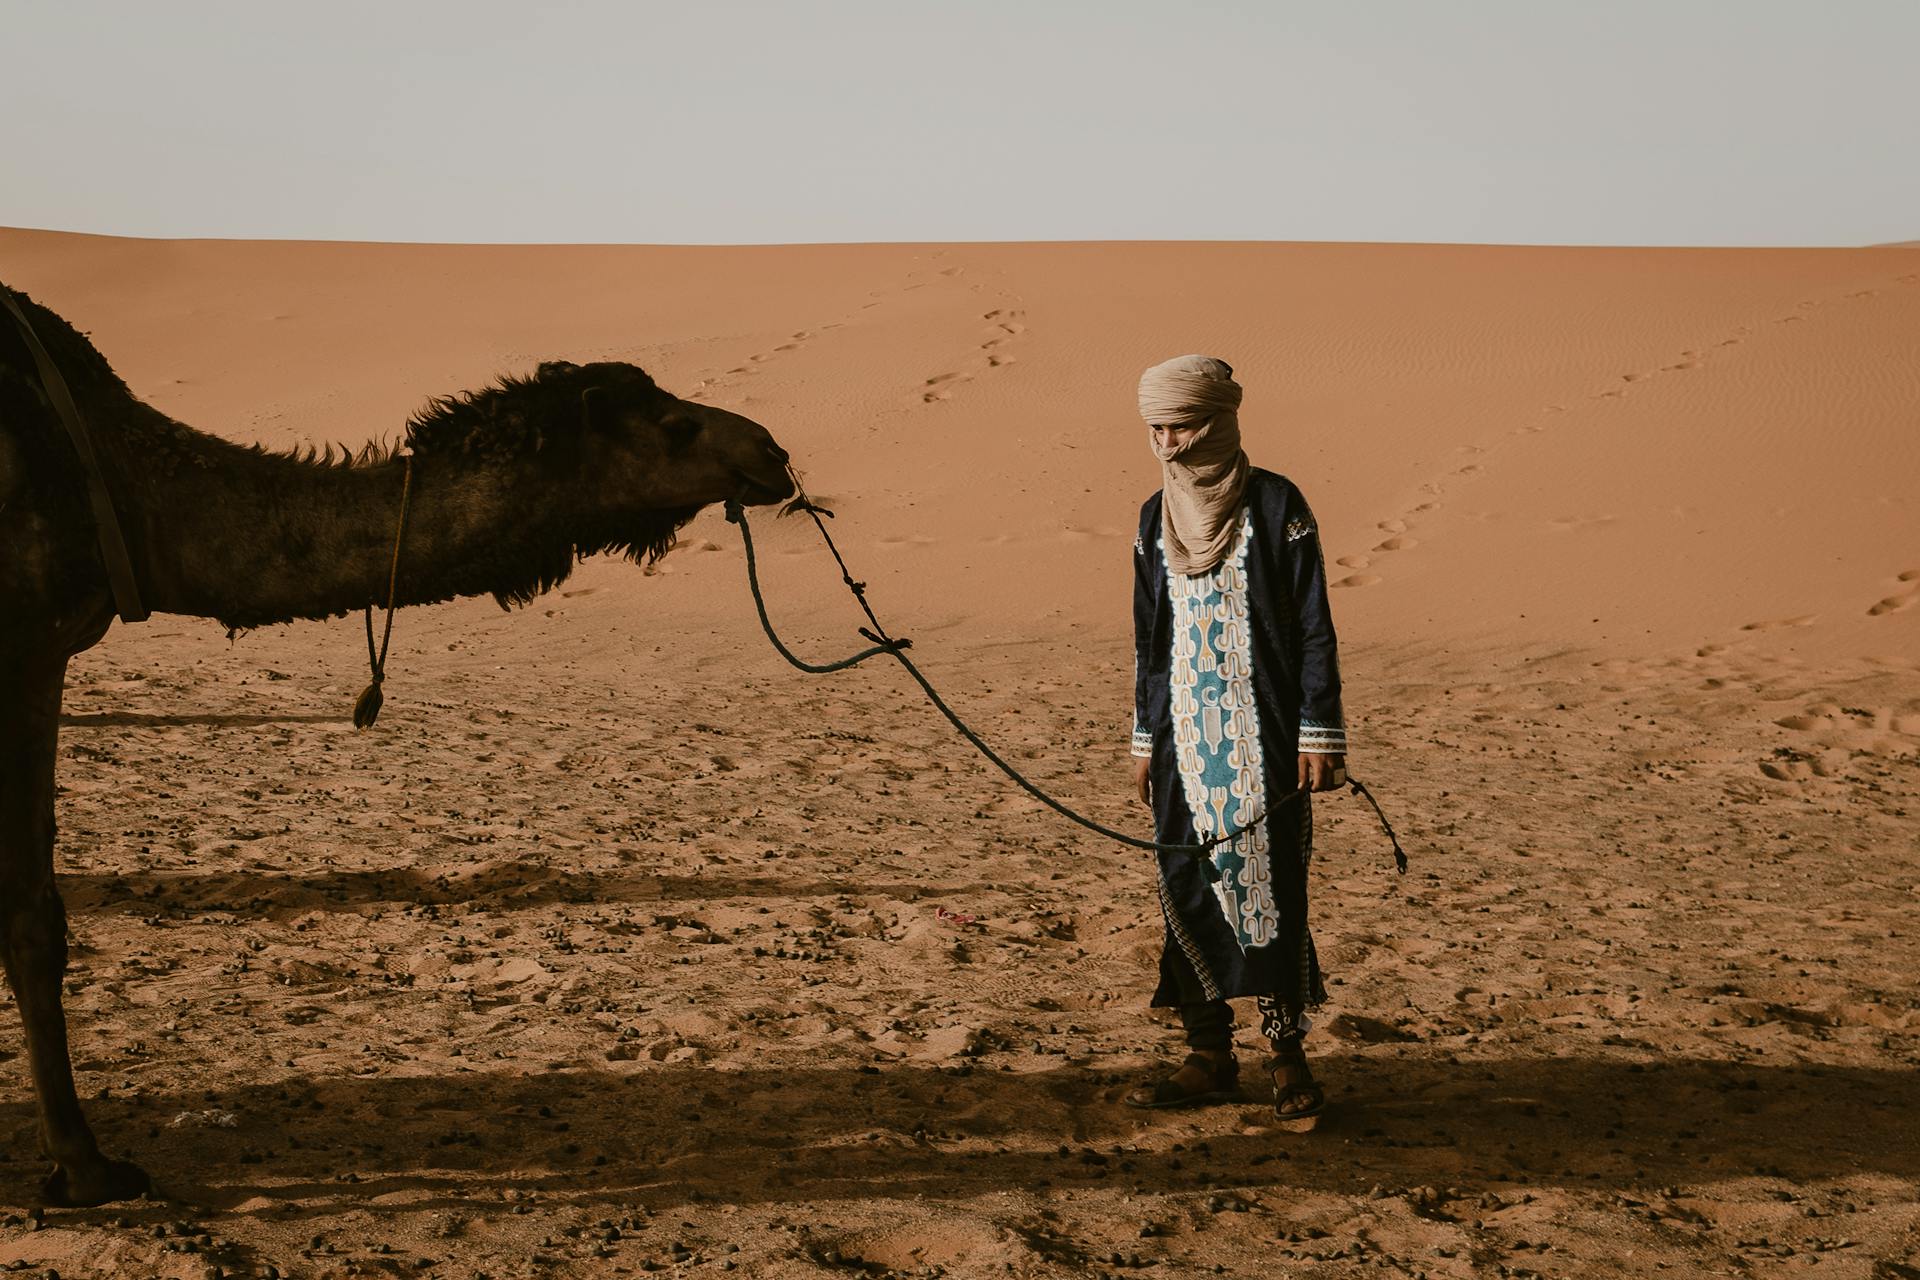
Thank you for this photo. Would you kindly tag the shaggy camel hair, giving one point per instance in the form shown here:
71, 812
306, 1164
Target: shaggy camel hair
511, 486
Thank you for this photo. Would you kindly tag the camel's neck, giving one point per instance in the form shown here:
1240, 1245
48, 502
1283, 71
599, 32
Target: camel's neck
253, 539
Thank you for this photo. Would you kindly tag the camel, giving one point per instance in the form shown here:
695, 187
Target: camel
510, 486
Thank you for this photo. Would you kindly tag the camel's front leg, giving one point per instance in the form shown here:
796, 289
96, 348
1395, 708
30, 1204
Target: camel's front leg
33, 935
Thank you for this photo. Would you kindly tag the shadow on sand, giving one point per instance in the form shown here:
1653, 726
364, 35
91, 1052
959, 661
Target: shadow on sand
147, 720
666, 1135
500, 885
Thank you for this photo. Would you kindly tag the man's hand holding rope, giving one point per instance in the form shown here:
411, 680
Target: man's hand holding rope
1319, 771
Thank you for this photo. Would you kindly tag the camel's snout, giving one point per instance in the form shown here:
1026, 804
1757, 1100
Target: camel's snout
753, 458
768, 478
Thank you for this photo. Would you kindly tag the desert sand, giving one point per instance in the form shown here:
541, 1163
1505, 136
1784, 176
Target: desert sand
618, 946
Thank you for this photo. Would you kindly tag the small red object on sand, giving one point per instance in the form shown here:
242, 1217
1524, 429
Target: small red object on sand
953, 917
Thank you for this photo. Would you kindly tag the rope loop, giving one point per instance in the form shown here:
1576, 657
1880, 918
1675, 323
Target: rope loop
367, 709
895, 647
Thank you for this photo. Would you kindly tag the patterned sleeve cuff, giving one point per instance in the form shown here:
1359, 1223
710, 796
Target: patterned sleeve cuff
1142, 742
1322, 739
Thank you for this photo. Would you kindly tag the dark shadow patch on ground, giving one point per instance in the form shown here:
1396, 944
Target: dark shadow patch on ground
670, 1135
501, 885
155, 720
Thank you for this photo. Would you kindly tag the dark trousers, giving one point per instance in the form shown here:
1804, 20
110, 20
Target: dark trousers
1209, 1024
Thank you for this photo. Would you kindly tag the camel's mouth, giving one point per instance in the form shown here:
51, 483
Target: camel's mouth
761, 491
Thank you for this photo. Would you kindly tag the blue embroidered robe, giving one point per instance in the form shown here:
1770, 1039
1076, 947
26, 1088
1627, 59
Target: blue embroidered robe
1236, 673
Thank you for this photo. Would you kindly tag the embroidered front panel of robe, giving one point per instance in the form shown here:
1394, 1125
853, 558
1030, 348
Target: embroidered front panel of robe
1216, 736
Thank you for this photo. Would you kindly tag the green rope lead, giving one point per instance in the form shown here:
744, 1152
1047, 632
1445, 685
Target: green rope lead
885, 644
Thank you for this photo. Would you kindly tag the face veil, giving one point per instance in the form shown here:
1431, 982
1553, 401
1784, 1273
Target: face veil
1203, 480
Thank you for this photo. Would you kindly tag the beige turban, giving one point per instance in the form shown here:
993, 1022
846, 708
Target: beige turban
1205, 480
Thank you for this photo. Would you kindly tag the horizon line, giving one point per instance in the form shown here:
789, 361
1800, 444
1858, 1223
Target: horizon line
854, 244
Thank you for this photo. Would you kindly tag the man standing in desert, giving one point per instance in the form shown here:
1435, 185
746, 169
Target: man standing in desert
1237, 719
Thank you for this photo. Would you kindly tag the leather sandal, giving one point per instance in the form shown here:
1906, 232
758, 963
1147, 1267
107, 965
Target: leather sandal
1222, 1085
1298, 1099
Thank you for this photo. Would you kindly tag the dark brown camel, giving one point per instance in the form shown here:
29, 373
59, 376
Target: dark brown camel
511, 485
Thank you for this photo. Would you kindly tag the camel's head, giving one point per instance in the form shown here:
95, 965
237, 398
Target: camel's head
621, 465
666, 452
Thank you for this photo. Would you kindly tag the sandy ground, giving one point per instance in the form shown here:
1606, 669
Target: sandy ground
617, 946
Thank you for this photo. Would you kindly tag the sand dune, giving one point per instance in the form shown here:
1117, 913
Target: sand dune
617, 943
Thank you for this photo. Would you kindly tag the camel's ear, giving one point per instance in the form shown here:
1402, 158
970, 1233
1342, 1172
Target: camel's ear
548, 368
593, 407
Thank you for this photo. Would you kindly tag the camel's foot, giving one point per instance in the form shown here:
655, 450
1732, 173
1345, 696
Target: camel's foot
107, 1181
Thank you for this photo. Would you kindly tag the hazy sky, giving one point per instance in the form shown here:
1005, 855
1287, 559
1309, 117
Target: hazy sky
1733, 122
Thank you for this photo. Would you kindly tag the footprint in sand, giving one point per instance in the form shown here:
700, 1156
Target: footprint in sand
1006, 327
1831, 719
1794, 770
1398, 543
995, 359
1900, 601
1006, 321
1354, 562
936, 390
1804, 620
1357, 580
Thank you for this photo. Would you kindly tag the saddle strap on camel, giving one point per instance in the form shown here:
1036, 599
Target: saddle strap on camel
113, 546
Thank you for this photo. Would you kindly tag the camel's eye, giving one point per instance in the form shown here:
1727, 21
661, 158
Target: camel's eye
680, 432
